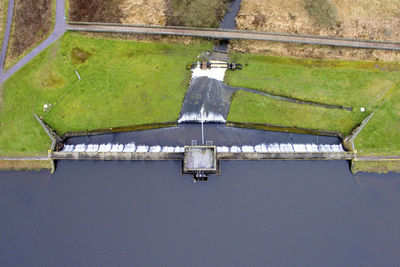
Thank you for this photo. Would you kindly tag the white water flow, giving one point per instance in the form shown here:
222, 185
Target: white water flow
213, 73
261, 148
208, 117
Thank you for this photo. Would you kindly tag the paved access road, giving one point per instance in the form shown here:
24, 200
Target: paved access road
234, 34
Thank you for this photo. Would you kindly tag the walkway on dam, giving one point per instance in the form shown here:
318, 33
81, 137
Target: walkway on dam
233, 34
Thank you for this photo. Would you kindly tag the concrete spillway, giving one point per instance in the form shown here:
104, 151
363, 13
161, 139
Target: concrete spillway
132, 151
62, 155
260, 148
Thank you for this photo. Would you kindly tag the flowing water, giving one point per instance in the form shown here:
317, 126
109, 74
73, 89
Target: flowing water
209, 94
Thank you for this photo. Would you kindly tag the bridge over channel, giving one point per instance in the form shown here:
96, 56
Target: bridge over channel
232, 34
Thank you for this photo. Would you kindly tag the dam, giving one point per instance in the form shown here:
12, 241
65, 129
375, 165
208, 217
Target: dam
231, 146
207, 103
178, 143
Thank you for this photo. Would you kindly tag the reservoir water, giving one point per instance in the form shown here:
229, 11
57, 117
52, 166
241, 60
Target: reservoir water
275, 213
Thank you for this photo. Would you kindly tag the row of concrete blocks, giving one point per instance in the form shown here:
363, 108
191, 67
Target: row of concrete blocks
261, 148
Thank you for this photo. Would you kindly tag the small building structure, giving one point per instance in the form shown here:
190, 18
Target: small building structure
200, 161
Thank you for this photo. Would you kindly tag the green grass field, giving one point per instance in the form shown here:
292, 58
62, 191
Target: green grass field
254, 108
373, 85
356, 84
123, 83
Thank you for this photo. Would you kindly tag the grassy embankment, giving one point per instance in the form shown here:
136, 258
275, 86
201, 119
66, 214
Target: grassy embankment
32, 23
24, 165
123, 83
253, 108
381, 136
353, 84
376, 166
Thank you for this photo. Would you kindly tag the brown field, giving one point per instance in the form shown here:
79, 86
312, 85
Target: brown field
32, 22
364, 19
367, 19
196, 13
3, 15
312, 51
201, 13
149, 12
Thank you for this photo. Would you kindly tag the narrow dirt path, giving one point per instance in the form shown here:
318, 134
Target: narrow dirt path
58, 31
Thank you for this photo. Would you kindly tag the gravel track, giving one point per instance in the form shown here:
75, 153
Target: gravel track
234, 34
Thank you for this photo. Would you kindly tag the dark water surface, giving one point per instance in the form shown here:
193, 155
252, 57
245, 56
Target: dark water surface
229, 22
270, 213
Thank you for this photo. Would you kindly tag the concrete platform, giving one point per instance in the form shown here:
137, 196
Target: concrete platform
200, 158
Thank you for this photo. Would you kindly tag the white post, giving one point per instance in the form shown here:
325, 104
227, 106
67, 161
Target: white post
202, 127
